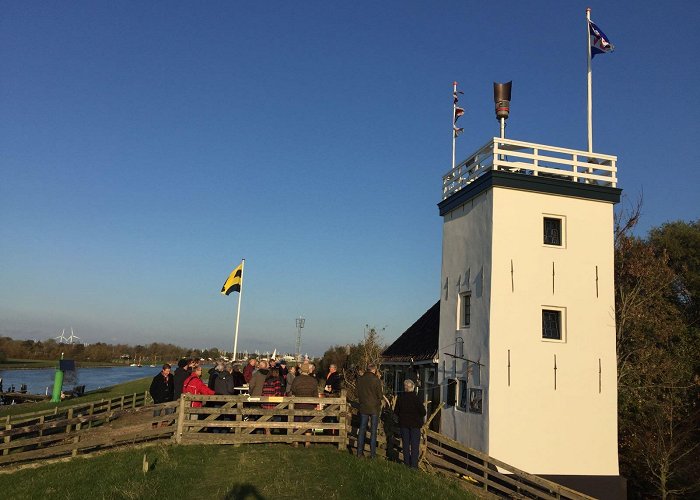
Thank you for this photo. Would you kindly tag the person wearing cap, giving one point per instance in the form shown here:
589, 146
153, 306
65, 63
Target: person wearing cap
369, 392
184, 369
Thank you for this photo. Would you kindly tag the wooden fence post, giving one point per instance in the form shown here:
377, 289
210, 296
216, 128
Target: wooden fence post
342, 420
90, 412
122, 402
180, 421
76, 440
8, 438
69, 416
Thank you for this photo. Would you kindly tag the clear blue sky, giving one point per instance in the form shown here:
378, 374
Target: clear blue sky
146, 147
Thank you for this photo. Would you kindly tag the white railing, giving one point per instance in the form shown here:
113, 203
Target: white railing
528, 158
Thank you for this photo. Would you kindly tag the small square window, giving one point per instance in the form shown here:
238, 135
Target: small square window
465, 310
552, 231
551, 324
463, 395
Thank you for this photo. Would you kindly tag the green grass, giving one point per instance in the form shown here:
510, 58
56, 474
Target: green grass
254, 472
127, 388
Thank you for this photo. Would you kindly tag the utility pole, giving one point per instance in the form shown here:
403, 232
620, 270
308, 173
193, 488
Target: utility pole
300, 324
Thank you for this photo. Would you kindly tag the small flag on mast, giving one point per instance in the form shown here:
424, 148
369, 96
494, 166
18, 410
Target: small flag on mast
233, 282
600, 44
457, 131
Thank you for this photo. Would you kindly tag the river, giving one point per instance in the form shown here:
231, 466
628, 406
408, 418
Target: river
40, 380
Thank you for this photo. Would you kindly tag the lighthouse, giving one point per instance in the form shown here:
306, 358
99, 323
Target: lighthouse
527, 356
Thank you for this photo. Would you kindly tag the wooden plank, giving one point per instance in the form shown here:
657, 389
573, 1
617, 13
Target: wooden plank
517, 483
33, 441
484, 481
205, 438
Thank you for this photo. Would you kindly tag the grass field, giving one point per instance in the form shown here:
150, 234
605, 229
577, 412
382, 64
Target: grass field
135, 386
254, 472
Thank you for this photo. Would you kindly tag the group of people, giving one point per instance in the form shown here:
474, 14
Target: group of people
260, 378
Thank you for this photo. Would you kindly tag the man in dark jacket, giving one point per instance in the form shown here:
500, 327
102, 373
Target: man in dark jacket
183, 371
224, 383
411, 413
162, 386
369, 392
162, 391
238, 378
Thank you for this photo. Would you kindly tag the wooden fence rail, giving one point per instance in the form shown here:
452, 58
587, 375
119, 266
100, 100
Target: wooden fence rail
242, 419
489, 474
39, 433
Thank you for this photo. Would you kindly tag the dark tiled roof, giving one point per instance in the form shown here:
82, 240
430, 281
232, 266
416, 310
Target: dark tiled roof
419, 342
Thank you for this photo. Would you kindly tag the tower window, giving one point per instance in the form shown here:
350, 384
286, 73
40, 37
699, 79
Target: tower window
551, 324
552, 231
463, 396
465, 310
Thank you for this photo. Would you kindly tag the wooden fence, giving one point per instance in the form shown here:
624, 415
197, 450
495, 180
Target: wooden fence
61, 431
242, 419
489, 475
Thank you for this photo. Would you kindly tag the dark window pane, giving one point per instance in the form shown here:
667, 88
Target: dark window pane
463, 397
552, 231
451, 392
551, 324
466, 309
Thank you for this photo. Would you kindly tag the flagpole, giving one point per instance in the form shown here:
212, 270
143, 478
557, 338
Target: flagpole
454, 113
590, 80
238, 314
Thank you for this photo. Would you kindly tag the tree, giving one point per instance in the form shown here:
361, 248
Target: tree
657, 347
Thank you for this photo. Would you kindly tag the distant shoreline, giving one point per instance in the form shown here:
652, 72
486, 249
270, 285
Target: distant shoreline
34, 364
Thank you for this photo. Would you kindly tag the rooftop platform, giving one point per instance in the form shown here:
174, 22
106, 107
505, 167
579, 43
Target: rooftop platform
537, 160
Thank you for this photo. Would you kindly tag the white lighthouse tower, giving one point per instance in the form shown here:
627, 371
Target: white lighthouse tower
527, 318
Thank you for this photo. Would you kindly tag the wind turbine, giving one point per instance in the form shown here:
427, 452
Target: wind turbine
61, 338
72, 337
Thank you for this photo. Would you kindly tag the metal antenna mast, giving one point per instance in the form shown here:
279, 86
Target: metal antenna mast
300, 324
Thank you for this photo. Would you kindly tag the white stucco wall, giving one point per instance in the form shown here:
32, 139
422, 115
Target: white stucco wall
571, 429
466, 254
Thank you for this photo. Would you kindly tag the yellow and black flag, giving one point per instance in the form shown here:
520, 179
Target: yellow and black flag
233, 283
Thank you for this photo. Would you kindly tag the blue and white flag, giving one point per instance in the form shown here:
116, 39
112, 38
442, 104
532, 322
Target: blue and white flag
600, 44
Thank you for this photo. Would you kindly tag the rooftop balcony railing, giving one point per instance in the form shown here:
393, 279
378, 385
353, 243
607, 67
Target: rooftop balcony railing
527, 158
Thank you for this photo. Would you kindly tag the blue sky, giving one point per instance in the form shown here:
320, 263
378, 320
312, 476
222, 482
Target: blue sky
146, 147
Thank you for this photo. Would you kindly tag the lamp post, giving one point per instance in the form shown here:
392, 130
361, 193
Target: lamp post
300, 324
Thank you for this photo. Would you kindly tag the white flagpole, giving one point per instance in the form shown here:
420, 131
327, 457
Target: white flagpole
454, 111
590, 80
238, 314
